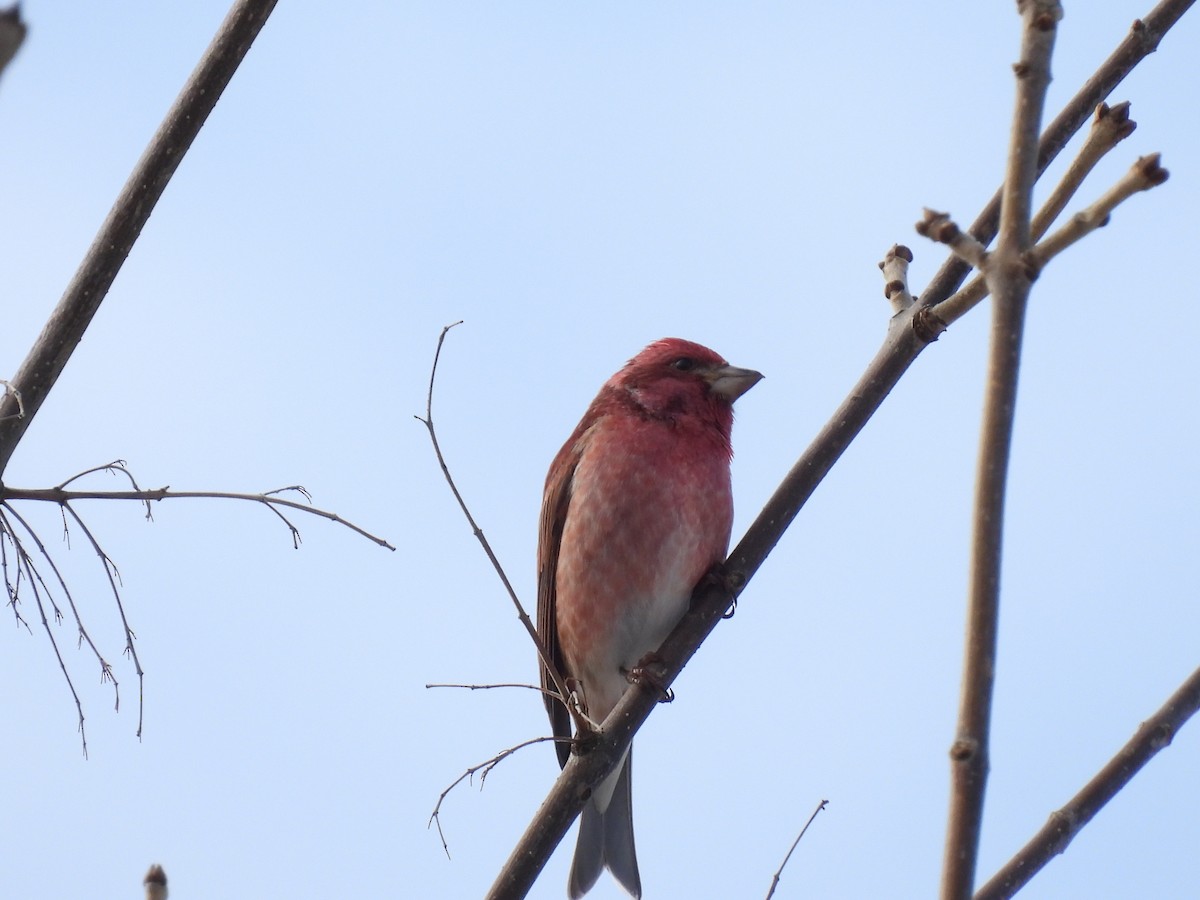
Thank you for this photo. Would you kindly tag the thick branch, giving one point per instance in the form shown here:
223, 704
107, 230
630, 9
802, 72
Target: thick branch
66, 325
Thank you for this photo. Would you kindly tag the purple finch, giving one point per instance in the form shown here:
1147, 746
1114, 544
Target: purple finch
637, 509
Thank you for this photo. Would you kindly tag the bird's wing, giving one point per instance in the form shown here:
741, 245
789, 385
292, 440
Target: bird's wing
555, 503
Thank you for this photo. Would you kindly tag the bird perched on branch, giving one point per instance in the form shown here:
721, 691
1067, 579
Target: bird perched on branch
637, 509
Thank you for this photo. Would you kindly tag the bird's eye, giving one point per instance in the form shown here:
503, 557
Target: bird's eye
684, 364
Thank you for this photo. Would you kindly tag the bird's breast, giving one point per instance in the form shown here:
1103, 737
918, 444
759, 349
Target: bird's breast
649, 514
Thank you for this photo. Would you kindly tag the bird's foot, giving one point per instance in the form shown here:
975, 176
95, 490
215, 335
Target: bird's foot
727, 582
577, 706
649, 673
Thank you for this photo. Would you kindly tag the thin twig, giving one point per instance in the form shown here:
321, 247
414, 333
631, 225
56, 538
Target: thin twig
38, 586
113, 576
427, 421
106, 671
1009, 278
1153, 735
491, 687
1146, 173
1142, 40
792, 849
63, 498
267, 499
485, 768
1110, 126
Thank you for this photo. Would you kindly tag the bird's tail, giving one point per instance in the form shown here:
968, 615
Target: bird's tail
606, 841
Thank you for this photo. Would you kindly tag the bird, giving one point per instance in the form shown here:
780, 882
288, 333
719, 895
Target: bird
637, 509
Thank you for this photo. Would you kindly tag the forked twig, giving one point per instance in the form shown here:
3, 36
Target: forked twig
114, 576
27, 571
1110, 126
427, 421
485, 769
26, 566
269, 499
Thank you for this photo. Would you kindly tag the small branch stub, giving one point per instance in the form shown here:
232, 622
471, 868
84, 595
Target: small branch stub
939, 227
895, 277
155, 883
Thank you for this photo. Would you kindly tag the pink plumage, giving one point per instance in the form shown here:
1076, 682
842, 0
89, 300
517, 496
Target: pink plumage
637, 508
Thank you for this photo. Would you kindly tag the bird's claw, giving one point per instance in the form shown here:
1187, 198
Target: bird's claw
725, 581
648, 673
577, 706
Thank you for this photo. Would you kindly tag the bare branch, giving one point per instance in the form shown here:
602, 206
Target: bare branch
1009, 279
32, 577
1152, 735
27, 569
492, 687
485, 769
1142, 40
268, 499
795, 844
427, 421
938, 226
1109, 127
113, 576
128, 216
1145, 174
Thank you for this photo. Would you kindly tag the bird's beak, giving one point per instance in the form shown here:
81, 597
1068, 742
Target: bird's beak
731, 382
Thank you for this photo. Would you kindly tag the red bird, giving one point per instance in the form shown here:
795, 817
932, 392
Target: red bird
637, 509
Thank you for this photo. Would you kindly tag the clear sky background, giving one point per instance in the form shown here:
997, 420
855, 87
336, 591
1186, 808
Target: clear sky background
576, 180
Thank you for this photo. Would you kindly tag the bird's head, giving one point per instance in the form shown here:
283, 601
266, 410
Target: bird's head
673, 378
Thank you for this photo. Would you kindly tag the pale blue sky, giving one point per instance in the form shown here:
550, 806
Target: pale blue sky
575, 180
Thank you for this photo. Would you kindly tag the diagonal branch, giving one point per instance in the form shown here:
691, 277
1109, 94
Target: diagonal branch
1145, 174
1152, 735
555, 676
125, 221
